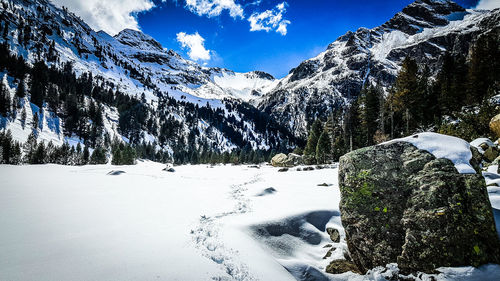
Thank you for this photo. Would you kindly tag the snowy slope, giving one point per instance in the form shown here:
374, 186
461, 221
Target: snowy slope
424, 30
133, 63
199, 223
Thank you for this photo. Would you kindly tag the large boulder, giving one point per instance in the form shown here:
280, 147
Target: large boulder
279, 160
282, 160
401, 204
495, 125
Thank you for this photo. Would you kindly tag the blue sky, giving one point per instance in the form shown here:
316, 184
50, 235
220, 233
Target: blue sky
219, 32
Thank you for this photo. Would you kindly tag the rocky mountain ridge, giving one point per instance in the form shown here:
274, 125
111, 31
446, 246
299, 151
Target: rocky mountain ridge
137, 65
424, 30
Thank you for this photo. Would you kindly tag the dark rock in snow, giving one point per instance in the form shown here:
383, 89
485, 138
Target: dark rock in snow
329, 253
400, 204
283, 170
170, 170
341, 266
115, 173
490, 154
267, 191
334, 234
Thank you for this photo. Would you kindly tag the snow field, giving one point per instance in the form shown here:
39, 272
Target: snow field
198, 223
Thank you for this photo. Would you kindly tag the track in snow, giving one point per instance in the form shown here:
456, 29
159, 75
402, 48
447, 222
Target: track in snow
208, 240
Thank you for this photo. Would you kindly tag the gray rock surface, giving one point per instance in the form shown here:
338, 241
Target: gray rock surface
400, 204
282, 160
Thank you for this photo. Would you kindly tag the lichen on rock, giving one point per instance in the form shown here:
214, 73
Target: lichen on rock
401, 204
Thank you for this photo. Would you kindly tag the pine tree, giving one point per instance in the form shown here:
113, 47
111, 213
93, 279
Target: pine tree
323, 148
403, 98
484, 70
5, 102
86, 155
40, 155
21, 89
6, 145
35, 122
98, 156
370, 113
117, 157
23, 117
29, 148
312, 141
128, 155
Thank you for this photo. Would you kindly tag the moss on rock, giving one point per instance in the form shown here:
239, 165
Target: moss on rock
400, 204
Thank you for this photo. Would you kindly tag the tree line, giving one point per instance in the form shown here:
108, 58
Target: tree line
459, 100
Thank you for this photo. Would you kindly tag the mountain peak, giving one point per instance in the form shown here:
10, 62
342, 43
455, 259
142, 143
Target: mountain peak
138, 39
424, 14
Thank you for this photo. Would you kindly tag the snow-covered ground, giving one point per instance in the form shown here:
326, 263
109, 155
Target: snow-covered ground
198, 223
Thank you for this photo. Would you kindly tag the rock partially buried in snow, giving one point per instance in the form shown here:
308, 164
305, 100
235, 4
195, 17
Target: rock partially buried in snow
341, 266
115, 173
267, 191
279, 160
402, 204
482, 144
334, 234
282, 160
490, 154
443, 146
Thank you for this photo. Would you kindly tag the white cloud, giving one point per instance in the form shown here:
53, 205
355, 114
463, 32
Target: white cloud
111, 16
488, 4
270, 20
213, 8
195, 44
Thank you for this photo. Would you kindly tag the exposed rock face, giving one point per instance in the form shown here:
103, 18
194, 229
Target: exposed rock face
400, 204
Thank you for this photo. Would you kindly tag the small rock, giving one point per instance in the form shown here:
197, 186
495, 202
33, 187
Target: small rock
254, 167
490, 154
308, 169
323, 184
319, 167
267, 191
299, 169
329, 253
116, 173
328, 246
342, 266
283, 170
170, 170
334, 234
484, 146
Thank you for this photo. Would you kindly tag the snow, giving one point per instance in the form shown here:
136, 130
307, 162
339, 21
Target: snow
477, 142
242, 85
198, 223
443, 146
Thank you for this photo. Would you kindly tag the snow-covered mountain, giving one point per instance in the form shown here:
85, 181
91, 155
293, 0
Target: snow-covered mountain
424, 30
137, 65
